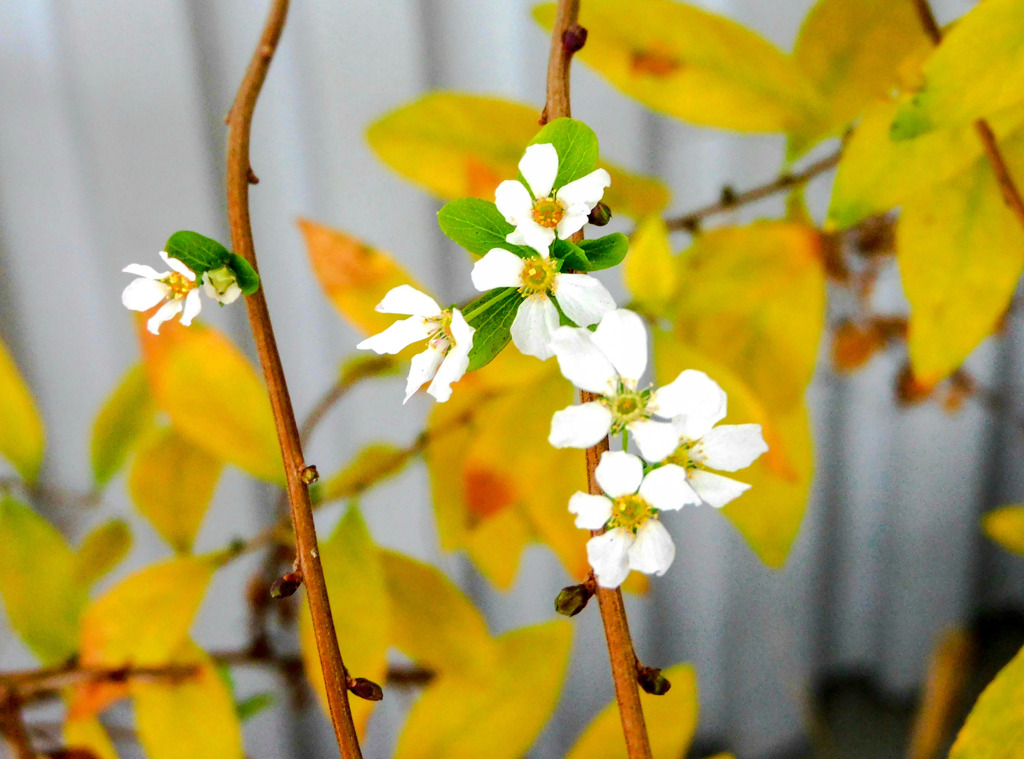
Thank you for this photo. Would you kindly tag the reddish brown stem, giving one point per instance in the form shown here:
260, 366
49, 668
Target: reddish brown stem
613, 612
238, 178
12, 727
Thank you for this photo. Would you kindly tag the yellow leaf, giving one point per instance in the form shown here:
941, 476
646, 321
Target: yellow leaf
650, 268
960, 253
172, 483
494, 712
88, 734
456, 145
354, 276
753, 298
102, 550
949, 671
22, 439
693, 65
432, 621
977, 72
495, 545
359, 595
42, 595
214, 397
126, 415
1005, 525
854, 50
374, 463
993, 728
671, 721
191, 719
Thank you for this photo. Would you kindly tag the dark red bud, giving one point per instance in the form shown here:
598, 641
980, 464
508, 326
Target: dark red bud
286, 585
366, 689
652, 681
574, 38
600, 216
573, 599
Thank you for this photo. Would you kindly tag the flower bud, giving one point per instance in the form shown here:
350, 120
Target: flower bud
310, 474
366, 689
573, 599
574, 38
652, 681
600, 216
222, 285
286, 585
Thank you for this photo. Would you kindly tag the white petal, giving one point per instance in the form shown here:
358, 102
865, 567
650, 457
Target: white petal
716, 489
535, 323
513, 201
619, 473
695, 398
583, 298
398, 335
530, 233
461, 330
143, 294
178, 266
539, 167
141, 270
652, 551
608, 555
166, 312
580, 426
582, 362
193, 305
591, 511
571, 223
423, 367
730, 447
656, 440
666, 489
499, 268
455, 362
228, 297
585, 191
622, 337
406, 299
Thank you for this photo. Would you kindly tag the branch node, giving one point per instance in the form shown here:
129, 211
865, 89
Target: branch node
309, 474
574, 38
286, 585
573, 599
651, 680
365, 689
251, 177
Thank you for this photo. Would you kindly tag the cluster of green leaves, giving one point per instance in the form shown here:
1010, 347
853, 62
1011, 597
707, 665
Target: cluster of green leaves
202, 254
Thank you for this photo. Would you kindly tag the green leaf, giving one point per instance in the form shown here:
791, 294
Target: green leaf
256, 703
374, 463
196, 251
102, 550
576, 145
478, 226
571, 255
247, 277
491, 315
993, 728
21, 429
126, 415
605, 252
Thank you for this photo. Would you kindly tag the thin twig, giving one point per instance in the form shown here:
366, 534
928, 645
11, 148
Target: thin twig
613, 613
691, 221
238, 177
12, 726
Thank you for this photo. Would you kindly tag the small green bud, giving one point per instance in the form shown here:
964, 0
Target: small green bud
366, 689
221, 284
286, 585
600, 215
310, 474
573, 599
652, 681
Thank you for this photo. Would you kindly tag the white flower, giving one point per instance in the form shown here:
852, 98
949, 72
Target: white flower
221, 285
610, 362
177, 287
537, 212
449, 339
635, 537
582, 297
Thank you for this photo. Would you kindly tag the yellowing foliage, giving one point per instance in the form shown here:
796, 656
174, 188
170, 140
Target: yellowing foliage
993, 728
1005, 525
102, 550
650, 270
374, 463
126, 415
87, 733
22, 439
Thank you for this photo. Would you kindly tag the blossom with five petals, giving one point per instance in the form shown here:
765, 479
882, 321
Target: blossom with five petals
635, 538
176, 289
538, 209
449, 339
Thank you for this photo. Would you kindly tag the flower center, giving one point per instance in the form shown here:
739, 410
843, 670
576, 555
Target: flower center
627, 406
682, 457
537, 277
548, 212
630, 511
442, 333
180, 285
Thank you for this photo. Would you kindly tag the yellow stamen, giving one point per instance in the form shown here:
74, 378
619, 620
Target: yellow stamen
548, 212
630, 511
180, 285
537, 277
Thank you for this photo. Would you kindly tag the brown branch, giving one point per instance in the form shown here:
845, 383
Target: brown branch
565, 40
1007, 187
730, 200
238, 177
12, 726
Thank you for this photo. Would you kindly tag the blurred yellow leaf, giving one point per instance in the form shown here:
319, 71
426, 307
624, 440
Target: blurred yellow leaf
87, 733
456, 145
172, 483
354, 276
22, 438
949, 671
671, 721
1005, 525
993, 728
355, 583
191, 719
650, 267
753, 298
214, 397
42, 595
977, 72
960, 253
102, 550
126, 415
374, 463
495, 544
853, 50
495, 711
693, 65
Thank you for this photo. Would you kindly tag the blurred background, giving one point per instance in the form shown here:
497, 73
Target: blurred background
112, 138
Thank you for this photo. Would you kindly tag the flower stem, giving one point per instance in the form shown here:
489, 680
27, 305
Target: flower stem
239, 176
613, 612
